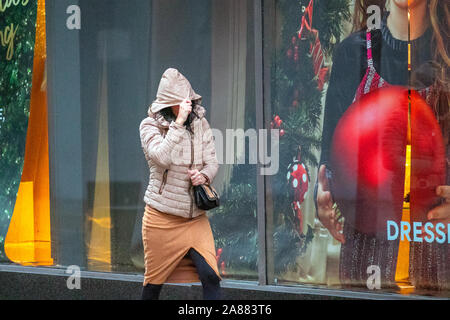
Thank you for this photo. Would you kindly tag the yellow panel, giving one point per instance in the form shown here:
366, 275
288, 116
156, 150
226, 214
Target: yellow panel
20, 237
99, 244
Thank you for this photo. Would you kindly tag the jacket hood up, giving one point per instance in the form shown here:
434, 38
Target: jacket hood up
173, 89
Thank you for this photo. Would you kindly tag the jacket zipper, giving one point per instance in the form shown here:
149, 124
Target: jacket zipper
191, 212
164, 179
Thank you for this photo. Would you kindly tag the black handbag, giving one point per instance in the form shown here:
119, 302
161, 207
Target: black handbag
206, 197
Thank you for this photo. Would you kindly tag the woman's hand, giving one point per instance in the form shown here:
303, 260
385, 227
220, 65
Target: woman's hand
197, 178
185, 109
326, 212
441, 214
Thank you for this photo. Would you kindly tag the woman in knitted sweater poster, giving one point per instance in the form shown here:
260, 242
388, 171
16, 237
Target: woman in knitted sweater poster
389, 90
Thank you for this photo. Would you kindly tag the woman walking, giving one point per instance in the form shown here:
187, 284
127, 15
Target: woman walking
178, 145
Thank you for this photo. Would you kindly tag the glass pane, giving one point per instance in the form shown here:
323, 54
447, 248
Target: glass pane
358, 173
429, 259
124, 49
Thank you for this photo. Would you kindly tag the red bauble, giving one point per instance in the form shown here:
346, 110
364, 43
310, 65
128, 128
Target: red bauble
276, 118
282, 132
298, 179
368, 157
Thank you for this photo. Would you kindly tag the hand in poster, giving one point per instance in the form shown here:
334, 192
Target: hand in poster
441, 214
326, 212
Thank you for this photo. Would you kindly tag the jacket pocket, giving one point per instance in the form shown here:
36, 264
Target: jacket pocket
163, 182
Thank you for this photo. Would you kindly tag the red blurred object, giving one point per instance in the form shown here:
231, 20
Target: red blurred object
276, 123
299, 214
322, 78
219, 253
368, 157
277, 118
289, 53
222, 268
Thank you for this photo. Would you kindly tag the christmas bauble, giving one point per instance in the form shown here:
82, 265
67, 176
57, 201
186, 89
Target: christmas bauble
276, 119
368, 159
298, 179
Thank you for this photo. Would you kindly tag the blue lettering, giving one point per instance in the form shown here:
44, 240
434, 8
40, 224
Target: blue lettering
417, 231
429, 225
405, 233
428, 231
390, 224
438, 227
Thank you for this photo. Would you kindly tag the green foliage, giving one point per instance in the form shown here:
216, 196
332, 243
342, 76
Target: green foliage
15, 89
296, 99
329, 17
234, 226
286, 242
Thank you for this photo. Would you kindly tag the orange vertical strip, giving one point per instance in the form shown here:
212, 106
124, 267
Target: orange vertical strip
28, 239
402, 270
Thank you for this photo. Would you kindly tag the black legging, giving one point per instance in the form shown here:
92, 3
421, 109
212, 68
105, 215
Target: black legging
208, 277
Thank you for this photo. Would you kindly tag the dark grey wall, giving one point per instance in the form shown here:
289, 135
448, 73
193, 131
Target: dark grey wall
64, 101
181, 38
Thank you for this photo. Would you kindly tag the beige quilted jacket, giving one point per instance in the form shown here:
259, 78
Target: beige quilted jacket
170, 150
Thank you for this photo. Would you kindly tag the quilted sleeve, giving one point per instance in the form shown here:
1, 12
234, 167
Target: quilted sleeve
210, 163
156, 147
